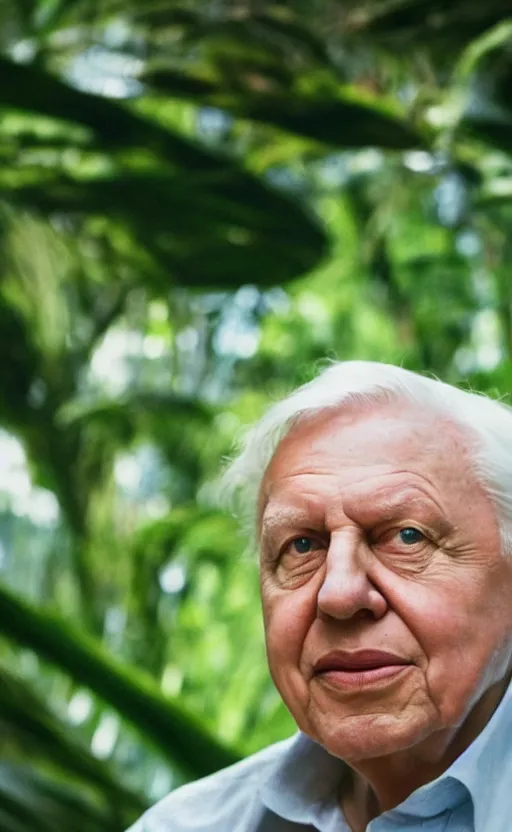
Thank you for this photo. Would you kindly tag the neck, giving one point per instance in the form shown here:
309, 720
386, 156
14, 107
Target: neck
381, 784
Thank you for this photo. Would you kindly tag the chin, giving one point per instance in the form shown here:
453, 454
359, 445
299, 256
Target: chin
368, 737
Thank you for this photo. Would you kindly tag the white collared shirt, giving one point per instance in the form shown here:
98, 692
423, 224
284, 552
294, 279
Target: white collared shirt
292, 787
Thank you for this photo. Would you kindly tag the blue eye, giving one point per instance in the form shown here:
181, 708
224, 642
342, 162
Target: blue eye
302, 545
410, 536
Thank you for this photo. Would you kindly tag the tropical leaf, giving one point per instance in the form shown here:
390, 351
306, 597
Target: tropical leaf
21, 365
349, 120
482, 76
29, 89
121, 413
35, 730
42, 804
179, 425
220, 232
425, 23
204, 534
208, 227
180, 737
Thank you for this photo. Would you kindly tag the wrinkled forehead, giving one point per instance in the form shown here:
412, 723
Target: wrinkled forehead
349, 444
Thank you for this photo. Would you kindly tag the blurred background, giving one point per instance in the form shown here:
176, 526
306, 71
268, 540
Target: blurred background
201, 201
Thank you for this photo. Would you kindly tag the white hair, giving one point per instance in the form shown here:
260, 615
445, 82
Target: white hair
485, 422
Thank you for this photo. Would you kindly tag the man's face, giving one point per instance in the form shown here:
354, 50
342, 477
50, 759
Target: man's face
376, 536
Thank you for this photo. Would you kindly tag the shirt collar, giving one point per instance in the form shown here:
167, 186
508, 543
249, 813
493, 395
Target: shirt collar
303, 781
485, 768
306, 780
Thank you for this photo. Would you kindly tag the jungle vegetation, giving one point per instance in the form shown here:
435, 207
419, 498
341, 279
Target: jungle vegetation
201, 201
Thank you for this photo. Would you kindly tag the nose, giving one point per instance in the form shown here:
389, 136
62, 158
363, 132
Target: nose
347, 590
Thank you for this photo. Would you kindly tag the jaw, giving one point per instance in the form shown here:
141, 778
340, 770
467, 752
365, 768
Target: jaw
399, 755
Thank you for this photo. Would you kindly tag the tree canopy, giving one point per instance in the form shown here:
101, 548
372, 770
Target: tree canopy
200, 202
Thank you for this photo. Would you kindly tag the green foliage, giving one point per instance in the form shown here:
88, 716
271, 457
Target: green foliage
199, 205
136, 698
31, 731
342, 120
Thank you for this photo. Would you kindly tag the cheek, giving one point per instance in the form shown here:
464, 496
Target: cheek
288, 617
463, 628
439, 622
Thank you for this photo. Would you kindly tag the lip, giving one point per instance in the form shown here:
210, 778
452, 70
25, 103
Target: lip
359, 661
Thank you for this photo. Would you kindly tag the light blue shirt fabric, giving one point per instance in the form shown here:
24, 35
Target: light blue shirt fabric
293, 786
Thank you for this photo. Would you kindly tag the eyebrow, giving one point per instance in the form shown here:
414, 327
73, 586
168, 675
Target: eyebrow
281, 515
391, 500
386, 502
391, 503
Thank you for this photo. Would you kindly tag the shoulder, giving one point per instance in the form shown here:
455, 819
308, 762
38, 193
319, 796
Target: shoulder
208, 805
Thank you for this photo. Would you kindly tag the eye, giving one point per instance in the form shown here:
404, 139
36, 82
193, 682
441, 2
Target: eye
302, 545
410, 536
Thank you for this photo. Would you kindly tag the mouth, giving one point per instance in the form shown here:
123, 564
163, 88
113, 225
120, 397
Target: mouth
343, 669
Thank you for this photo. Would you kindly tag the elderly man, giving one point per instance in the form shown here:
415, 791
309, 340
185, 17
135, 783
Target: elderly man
383, 504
